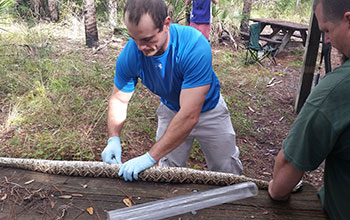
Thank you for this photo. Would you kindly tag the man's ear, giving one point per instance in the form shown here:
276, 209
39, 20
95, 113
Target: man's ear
167, 22
347, 18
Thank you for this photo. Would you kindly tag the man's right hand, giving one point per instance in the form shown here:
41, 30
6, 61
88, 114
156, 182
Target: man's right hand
113, 151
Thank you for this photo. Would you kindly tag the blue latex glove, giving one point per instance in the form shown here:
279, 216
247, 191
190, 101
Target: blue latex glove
113, 151
132, 167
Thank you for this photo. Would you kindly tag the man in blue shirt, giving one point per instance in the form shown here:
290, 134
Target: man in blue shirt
174, 62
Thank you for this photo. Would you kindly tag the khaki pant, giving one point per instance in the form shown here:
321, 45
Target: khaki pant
215, 135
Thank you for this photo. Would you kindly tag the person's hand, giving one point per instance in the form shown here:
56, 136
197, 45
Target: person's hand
270, 188
113, 151
133, 167
269, 192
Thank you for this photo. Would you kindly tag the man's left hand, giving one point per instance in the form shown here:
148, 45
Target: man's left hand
133, 167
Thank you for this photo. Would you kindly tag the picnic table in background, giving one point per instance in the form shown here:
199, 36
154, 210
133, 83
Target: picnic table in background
279, 33
34, 195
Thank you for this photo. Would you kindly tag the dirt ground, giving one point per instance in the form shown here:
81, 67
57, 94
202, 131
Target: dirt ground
274, 127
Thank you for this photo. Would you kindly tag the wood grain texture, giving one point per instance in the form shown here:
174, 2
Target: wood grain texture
107, 194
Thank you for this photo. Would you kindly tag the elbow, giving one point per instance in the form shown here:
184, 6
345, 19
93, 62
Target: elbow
192, 119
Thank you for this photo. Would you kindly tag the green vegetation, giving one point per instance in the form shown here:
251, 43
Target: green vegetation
53, 102
283, 9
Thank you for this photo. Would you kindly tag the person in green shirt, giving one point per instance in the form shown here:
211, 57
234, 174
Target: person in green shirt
321, 131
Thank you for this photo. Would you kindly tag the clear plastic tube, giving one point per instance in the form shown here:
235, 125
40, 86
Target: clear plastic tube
185, 203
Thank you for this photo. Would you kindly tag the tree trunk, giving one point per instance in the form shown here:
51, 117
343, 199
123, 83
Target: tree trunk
39, 7
188, 14
91, 34
297, 5
112, 12
247, 7
53, 8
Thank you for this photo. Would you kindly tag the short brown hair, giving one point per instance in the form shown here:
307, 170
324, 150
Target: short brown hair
157, 9
334, 9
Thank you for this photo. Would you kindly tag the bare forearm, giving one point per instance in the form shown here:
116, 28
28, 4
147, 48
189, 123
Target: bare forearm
116, 117
191, 102
285, 177
178, 130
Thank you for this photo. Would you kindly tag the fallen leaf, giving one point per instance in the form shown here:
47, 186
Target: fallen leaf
266, 212
127, 202
3, 198
52, 203
29, 182
90, 210
77, 195
252, 110
65, 197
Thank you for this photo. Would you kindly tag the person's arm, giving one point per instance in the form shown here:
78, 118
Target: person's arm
215, 1
191, 102
187, 2
117, 109
285, 177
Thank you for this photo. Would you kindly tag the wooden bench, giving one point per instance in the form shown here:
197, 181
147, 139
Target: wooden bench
263, 38
34, 195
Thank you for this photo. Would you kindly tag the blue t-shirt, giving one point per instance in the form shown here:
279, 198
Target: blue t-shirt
201, 11
187, 63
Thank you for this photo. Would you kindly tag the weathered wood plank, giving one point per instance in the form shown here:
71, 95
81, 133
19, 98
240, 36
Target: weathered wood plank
106, 194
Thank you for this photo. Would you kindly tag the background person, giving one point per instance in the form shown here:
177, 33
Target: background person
201, 15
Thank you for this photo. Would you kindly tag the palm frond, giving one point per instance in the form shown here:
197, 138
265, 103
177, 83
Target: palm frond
5, 4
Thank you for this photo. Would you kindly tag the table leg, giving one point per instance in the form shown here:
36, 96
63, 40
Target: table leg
285, 41
274, 32
303, 37
263, 25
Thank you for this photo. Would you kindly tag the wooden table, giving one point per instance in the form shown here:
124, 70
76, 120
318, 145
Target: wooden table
282, 31
34, 195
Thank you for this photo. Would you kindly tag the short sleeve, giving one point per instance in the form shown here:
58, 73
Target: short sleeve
125, 77
197, 65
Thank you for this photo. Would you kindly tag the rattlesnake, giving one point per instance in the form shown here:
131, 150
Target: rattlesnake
153, 174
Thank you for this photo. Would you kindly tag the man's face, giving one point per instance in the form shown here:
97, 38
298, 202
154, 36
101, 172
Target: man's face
149, 40
337, 33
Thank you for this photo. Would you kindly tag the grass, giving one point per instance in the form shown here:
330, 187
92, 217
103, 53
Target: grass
240, 83
54, 95
52, 104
